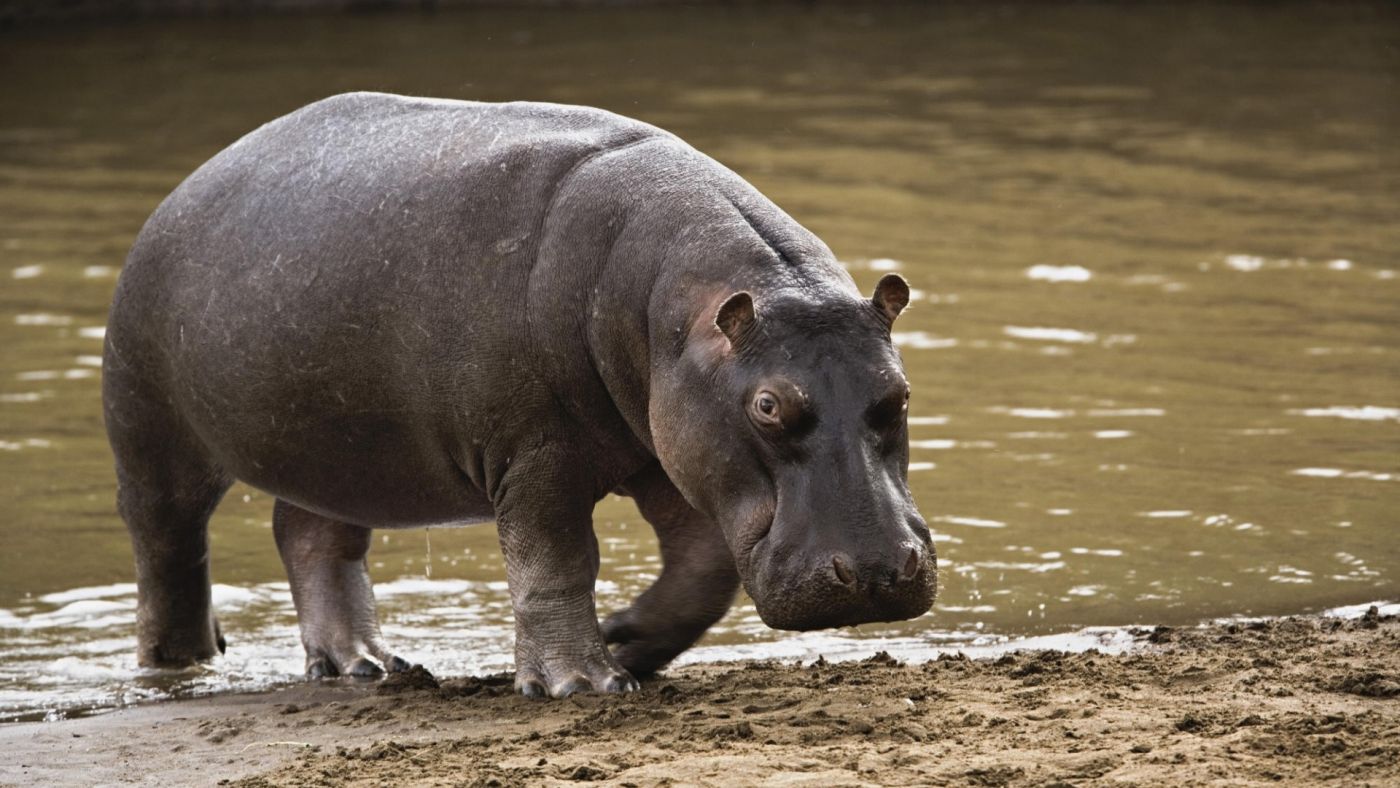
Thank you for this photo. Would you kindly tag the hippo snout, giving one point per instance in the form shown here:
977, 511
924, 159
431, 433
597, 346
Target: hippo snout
890, 574
845, 587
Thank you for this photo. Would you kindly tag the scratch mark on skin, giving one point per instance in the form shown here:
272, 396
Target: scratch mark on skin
315, 275
208, 303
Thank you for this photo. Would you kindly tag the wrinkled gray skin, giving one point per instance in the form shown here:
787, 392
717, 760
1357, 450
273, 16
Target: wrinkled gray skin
393, 313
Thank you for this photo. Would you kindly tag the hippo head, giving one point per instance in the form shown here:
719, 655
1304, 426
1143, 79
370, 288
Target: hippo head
785, 421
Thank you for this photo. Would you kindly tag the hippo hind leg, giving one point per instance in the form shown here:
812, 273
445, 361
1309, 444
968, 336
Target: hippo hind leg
697, 584
166, 490
325, 561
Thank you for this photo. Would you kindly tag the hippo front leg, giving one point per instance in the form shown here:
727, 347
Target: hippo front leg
551, 555
325, 562
697, 584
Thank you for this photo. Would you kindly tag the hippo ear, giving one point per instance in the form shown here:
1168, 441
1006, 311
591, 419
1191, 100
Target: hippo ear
735, 316
891, 296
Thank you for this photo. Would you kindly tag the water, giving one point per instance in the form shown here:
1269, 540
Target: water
1154, 346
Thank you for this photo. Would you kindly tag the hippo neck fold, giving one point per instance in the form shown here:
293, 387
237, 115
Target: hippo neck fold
670, 251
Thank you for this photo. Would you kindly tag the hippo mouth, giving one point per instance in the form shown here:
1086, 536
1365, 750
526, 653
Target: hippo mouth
762, 527
792, 591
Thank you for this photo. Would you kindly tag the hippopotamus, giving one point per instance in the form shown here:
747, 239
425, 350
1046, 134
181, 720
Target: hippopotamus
393, 312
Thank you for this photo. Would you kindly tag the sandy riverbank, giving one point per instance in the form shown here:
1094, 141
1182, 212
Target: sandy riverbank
1297, 700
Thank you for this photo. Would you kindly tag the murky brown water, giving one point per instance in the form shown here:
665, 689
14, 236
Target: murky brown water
1154, 351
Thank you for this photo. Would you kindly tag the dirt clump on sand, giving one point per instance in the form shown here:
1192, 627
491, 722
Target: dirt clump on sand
1287, 700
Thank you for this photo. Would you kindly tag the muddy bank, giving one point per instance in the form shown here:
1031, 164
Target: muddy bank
1294, 700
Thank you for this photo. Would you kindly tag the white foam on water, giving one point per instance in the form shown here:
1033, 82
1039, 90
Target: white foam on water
1338, 473
1039, 413
1106, 552
1355, 413
27, 443
1059, 273
1015, 566
922, 340
936, 443
1357, 611
1166, 514
1244, 262
837, 647
91, 592
1112, 434
234, 597
43, 319
948, 443
1321, 473
426, 586
93, 332
1249, 263
975, 522
27, 271
921, 466
1291, 574
25, 396
915, 421
1042, 334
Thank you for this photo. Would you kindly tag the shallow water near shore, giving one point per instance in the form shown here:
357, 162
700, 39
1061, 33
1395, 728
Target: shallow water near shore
1153, 346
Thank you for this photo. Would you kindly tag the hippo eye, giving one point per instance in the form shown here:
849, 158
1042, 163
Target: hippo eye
765, 405
888, 412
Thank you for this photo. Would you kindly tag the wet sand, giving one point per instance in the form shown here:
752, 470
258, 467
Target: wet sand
1294, 700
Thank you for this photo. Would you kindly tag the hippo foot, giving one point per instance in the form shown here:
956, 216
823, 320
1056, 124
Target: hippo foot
176, 649
560, 678
643, 649
324, 664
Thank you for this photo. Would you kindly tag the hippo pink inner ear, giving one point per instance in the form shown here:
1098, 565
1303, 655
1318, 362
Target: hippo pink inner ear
891, 296
735, 316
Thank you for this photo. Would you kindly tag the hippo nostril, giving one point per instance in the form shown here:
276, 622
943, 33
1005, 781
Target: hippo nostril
911, 564
843, 571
